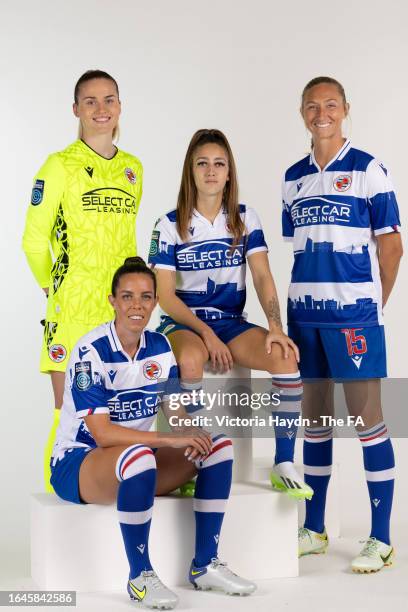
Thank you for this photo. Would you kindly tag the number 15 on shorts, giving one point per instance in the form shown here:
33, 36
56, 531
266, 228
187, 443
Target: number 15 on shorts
356, 343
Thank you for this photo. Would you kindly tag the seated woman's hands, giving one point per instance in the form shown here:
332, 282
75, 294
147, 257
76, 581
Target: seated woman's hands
284, 341
220, 355
198, 442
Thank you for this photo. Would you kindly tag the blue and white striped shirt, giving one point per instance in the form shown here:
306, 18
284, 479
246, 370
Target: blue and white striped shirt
210, 275
101, 378
332, 216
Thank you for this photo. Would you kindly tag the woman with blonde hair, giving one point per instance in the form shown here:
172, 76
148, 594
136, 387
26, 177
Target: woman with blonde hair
84, 204
341, 213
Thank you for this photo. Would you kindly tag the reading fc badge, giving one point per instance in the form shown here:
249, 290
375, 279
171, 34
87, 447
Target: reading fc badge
57, 353
342, 183
152, 370
130, 175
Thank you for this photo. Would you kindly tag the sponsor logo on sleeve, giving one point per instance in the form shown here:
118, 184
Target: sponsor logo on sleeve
130, 175
37, 193
152, 370
154, 245
342, 183
83, 375
57, 352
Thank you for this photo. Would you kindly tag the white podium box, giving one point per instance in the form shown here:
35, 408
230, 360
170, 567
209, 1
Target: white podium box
261, 470
80, 547
242, 468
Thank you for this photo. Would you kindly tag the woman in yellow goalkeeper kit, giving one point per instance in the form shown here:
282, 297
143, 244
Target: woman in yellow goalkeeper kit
84, 204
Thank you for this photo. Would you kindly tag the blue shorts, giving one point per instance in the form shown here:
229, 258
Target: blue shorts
339, 353
65, 474
225, 329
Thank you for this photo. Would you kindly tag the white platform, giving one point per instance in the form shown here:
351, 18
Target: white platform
261, 468
242, 467
80, 547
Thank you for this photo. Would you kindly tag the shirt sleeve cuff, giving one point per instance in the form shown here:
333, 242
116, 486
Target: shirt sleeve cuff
256, 250
160, 266
89, 411
390, 229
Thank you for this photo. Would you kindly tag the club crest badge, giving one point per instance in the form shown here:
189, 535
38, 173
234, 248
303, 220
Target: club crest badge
130, 175
342, 183
57, 353
152, 370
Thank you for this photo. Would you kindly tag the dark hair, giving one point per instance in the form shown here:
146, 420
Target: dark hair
319, 81
187, 198
89, 75
133, 265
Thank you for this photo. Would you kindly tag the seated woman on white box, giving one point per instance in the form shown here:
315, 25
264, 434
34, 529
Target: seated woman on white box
118, 376
199, 252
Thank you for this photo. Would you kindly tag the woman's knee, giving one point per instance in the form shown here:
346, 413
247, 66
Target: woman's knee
191, 363
278, 364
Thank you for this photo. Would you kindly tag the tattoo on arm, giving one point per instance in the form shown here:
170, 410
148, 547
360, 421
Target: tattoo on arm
273, 312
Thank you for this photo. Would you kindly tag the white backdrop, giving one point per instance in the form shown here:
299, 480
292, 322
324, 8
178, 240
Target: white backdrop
231, 64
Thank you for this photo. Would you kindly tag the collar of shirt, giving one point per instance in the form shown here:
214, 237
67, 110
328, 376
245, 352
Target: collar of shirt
339, 155
117, 346
220, 216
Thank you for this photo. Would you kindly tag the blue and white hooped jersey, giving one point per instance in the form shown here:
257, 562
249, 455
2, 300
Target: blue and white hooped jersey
102, 379
332, 216
210, 276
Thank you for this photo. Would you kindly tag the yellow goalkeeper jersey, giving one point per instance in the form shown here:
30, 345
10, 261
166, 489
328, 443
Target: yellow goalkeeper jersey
84, 207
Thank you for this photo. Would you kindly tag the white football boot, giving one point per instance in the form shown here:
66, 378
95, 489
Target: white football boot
374, 556
311, 543
216, 575
284, 477
149, 590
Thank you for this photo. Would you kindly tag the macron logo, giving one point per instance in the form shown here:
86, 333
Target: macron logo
112, 375
83, 351
357, 360
376, 502
141, 548
216, 538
